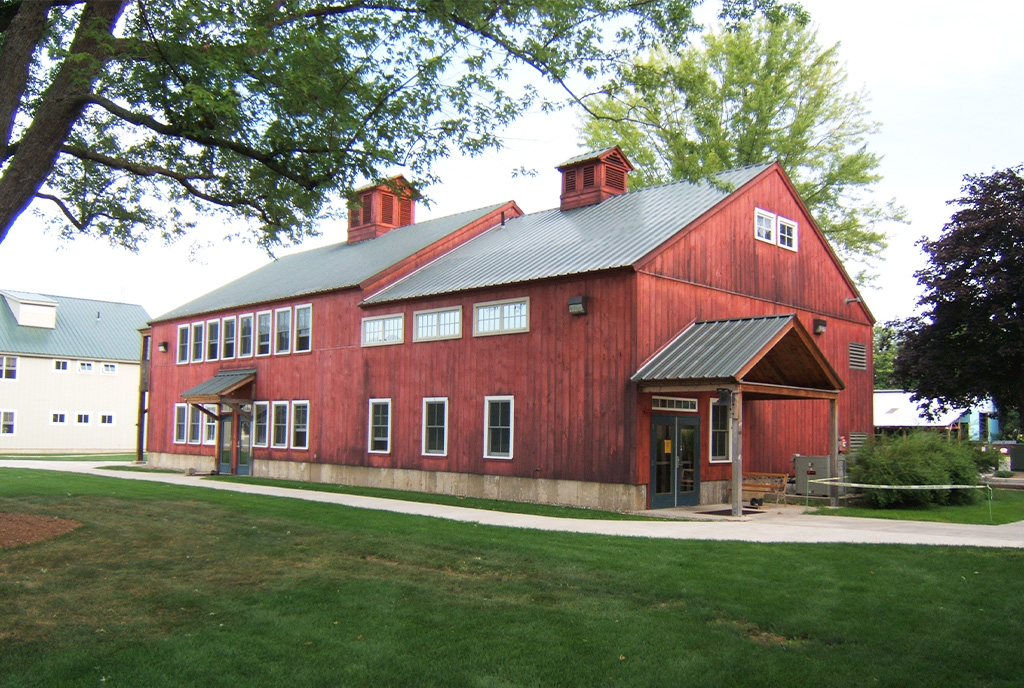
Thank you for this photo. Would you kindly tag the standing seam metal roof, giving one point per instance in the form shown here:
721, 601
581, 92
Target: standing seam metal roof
614, 233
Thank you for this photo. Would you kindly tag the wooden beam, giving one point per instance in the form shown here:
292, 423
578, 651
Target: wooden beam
833, 453
736, 449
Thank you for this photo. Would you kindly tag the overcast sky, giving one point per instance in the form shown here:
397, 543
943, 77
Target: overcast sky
945, 79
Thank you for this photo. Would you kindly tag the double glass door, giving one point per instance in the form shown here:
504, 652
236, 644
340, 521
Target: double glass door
675, 461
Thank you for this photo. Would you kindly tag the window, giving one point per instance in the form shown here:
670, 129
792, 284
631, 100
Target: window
380, 426
300, 425
303, 328
6, 422
674, 404
212, 340
787, 234
383, 329
443, 323
858, 356
58, 418
279, 436
228, 338
180, 424
244, 336
263, 333
82, 419
8, 367
210, 425
435, 426
183, 331
260, 411
197, 342
498, 427
501, 317
283, 340
720, 433
106, 419
85, 367
109, 369
764, 225
195, 424
60, 366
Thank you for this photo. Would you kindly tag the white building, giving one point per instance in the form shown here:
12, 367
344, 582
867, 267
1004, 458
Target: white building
69, 374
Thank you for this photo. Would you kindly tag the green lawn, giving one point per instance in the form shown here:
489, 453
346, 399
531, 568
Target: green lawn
1007, 506
174, 586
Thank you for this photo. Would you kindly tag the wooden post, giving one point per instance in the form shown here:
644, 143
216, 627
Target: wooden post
736, 449
140, 420
833, 452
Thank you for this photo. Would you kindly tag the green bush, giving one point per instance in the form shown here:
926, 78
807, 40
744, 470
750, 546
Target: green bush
924, 458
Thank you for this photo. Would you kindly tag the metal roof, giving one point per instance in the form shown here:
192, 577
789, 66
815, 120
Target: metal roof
328, 268
713, 349
896, 409
614, 233
221, 383
582, 157
86, 328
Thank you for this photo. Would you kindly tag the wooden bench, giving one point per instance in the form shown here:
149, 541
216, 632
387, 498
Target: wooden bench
766, 483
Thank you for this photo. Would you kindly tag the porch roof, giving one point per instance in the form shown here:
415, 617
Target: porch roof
220, 385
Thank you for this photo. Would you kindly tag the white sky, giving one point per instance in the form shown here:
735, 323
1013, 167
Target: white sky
946, 81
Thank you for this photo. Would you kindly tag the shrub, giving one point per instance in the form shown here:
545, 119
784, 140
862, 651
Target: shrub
923, 458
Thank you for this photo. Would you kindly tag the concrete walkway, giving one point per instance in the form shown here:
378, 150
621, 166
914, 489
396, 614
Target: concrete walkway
777, 524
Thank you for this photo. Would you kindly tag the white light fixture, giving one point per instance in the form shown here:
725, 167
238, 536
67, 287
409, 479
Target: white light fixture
819, 325
577, 305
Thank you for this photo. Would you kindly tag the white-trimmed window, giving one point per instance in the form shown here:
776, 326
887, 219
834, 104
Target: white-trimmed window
195, 424
106, 419
180, 423
85, 367
501, 317
197, 341
210, 425
720, 431
183, 332
8, 367
383, 329
283, 330
7, 425
300, 425
260, 419
212, 340
264, 325
674, 404
787, 233
245, 336
499, 427
58, 418
764, 225
303, 328
435, 426
60, 366
380, 426
228, 334
279, 424
82, 419
439, 323
108, 368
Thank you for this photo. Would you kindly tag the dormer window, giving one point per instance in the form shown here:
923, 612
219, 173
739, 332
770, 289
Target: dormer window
593, 177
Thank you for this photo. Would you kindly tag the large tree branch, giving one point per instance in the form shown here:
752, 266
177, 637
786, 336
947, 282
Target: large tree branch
21, 36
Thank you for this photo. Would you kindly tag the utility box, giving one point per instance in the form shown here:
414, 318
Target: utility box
808, 468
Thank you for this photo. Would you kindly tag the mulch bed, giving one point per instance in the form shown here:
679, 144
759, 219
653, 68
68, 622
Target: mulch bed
24, 529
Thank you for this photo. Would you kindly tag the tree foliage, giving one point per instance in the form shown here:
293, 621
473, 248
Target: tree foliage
759, 91
968, 343
130, 116
886, 348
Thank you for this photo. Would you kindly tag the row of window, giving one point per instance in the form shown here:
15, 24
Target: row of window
7, 420
490, 318
775, 229
499, 426
192, 426
280, 331
9, 367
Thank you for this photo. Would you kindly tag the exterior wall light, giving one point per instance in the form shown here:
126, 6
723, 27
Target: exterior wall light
162, 347
724, 395
577, 305
819, 325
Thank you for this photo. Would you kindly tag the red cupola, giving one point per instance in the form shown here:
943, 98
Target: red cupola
381, 208
592, 177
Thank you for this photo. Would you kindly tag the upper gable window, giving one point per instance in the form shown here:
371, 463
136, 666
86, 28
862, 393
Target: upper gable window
501, 317
443, 323
764, 225
383, 329
787, 233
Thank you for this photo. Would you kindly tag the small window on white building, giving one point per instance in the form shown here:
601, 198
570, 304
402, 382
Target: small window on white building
85, 367
8, 367
109, 369
7, 422
60, 366
58, 418
106, 419
82, 419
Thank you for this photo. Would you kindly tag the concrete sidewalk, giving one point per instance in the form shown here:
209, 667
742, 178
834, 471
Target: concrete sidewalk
777, 524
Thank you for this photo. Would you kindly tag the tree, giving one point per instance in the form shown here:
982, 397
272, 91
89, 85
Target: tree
887, 347
760, 91
968, 343
131, 116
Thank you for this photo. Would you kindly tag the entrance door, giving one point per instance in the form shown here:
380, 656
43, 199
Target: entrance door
675, 461
227, 442
244, 446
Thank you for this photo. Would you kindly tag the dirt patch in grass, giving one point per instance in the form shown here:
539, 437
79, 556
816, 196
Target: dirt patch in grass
24, 529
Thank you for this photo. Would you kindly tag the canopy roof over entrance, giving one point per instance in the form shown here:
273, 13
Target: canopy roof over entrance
221, 385
768, 357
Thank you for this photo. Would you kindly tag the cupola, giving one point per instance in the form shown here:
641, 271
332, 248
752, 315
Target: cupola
381, 208
592, 177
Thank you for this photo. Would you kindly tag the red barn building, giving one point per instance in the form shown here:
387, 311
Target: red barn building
625, 350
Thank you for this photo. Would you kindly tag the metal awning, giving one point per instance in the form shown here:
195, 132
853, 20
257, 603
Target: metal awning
221, 385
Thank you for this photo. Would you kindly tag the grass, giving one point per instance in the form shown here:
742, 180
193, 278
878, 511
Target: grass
68, 457
175, 586
1007, 506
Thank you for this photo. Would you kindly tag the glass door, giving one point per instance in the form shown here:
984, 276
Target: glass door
244, 446
675, 461
227, 441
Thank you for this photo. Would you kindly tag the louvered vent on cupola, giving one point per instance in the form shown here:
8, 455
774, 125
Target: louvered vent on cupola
592, 177
380, 209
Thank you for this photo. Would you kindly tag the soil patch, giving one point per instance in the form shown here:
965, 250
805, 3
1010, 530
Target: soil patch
24, 529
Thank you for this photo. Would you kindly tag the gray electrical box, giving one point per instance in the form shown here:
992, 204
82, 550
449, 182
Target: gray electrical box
808, 468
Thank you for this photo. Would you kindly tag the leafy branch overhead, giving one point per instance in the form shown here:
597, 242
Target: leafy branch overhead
124, 117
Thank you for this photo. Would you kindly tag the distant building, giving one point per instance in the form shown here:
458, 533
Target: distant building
69, 374
896, 412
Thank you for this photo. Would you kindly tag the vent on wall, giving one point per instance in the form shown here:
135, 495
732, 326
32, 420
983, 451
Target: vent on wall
387, 208
858, 356
857, 440
615, 177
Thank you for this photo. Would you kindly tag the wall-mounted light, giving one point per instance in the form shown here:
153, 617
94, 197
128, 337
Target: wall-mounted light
819, 325
162, 347
724, 395
577, 305
850, 300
